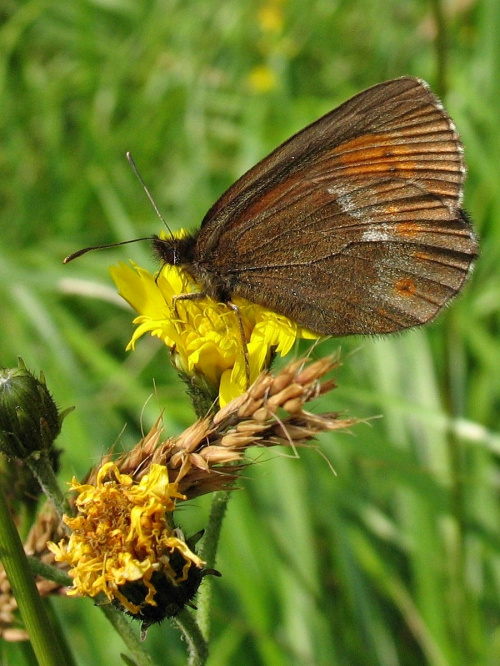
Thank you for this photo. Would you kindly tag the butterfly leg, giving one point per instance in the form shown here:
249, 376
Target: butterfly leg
237, 312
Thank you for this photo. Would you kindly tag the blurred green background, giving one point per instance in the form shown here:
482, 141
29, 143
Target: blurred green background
396, 558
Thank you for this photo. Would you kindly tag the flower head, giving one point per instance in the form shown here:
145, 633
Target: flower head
123, 544
203, 335
29, 418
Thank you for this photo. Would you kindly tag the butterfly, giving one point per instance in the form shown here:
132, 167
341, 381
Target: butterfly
354, 225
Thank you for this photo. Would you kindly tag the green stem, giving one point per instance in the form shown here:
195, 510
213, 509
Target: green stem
42, 470
43, 639
209, 554
459, 615
203, 403
123, 626
62, 636
441, 44
197, 646
49, 572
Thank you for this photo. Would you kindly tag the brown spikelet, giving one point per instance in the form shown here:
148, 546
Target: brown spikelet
209, 455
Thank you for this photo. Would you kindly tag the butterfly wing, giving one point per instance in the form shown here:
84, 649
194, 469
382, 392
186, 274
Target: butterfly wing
354, 224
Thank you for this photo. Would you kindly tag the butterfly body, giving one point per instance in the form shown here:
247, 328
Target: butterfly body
352, 226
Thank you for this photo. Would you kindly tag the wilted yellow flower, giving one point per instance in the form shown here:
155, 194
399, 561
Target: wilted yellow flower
122, 536
203, 335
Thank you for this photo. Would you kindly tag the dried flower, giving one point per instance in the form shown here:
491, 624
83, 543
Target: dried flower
123, 544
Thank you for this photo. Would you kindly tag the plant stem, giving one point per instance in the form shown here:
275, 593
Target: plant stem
43, 639
197, 645
209, 554
441, 44
42, 470
124, 628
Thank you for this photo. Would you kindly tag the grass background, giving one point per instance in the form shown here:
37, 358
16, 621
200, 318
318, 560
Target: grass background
396, 559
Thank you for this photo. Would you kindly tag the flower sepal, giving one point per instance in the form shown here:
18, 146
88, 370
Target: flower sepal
165, 595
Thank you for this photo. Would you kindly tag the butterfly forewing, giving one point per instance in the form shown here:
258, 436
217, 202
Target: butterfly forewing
354, 224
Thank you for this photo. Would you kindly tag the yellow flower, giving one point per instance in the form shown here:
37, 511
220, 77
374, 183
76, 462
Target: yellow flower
123, 545
203, 335
262, 79
270, 17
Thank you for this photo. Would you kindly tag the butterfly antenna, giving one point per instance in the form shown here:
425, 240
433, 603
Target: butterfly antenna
148, 193
79, 253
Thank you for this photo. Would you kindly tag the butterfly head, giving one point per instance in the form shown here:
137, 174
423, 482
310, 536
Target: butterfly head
174, 251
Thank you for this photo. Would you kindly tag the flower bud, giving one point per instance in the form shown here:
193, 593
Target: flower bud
29, 419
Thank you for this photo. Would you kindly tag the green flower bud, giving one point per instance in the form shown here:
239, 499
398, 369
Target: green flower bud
29, 419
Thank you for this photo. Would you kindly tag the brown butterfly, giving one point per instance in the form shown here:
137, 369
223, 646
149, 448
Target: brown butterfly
352, 226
